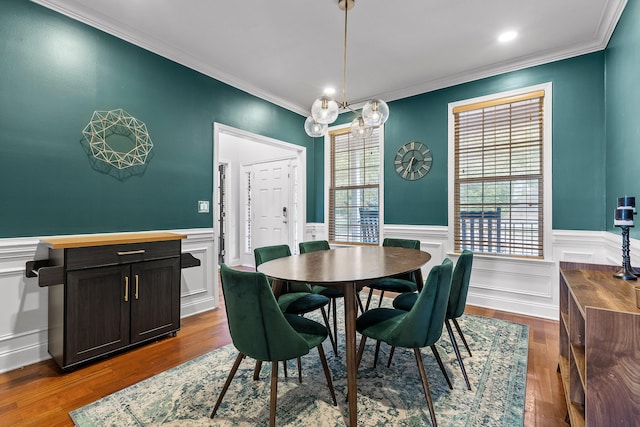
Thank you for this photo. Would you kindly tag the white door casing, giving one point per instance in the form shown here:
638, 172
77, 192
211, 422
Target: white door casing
242, 151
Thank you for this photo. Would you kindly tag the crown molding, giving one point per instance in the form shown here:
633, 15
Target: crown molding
103, 23
606, 27
611, 14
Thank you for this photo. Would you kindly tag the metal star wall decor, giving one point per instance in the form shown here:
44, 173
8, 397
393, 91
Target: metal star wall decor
117, 138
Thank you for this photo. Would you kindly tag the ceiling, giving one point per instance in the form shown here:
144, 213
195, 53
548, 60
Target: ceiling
287, 51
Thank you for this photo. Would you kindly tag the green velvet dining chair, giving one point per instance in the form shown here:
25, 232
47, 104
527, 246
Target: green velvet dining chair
414, 329
399, 284
456, 305
314, 246
332, 293
260, 330
296, 298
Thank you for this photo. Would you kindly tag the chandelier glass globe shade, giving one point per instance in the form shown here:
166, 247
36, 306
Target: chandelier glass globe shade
313, 128
375, 112
324, 110
359, 129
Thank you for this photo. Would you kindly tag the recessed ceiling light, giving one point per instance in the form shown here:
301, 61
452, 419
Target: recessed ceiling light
329, 91
507, 36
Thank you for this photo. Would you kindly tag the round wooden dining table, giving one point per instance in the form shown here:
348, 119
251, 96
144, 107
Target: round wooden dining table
347, 268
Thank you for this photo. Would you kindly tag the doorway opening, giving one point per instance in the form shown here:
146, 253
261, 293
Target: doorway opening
260, 193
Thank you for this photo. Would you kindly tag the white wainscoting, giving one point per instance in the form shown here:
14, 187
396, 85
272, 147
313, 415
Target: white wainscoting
23, 306
199, 285
515, 285
508, 284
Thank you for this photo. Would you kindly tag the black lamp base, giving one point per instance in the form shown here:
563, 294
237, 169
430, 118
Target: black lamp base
626, 274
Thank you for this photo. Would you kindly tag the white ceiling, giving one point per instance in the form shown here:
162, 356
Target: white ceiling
287, 51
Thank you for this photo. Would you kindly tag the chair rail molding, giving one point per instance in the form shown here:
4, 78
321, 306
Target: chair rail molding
24, 305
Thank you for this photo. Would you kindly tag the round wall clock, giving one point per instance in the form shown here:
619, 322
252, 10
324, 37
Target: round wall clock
413, 160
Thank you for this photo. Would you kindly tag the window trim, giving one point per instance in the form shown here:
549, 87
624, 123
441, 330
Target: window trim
547, 162
327, 182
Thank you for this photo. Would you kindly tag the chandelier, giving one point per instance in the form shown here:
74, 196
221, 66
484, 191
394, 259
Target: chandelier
325, 109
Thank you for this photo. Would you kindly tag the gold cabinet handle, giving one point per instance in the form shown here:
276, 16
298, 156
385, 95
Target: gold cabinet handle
140, 251
136, 286
126, 288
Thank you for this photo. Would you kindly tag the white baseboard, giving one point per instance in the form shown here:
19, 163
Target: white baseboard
544, 311
23, 349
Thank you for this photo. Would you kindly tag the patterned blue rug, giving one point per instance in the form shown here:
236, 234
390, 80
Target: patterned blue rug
185, 395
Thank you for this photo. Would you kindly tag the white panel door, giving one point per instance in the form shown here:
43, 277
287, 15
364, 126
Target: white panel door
271, 203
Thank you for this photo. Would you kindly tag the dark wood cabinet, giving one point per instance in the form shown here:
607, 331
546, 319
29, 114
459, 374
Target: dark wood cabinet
599, 346
155, 299
97, 316
104, 297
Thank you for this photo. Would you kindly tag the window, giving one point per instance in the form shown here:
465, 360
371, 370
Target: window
499, 175
354, 187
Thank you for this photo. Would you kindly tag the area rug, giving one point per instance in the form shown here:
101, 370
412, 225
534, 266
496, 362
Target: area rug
185, 395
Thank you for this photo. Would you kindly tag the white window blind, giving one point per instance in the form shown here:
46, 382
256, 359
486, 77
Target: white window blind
354, 188
498, 178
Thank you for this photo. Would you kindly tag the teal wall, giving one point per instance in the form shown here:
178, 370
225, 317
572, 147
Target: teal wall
54, 73
315, 182
578, 143
623, 108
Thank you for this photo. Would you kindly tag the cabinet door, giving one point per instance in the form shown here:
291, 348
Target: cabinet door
97, 312
155, 302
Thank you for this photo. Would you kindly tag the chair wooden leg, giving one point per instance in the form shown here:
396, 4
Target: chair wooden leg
227, 383
363, 340
425, 386
393, 349
331, 338
375, 356
360, 351
359, 302
366, 307
454, 343
327, 374
299, 370
464, 341
284, 367
335, 324
380, 300
256, 370
439, 360
274, 394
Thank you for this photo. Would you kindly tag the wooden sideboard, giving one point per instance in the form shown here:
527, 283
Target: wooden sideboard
599, 346
110, 292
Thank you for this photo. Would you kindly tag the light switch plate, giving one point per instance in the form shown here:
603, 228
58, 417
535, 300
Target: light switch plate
203, 206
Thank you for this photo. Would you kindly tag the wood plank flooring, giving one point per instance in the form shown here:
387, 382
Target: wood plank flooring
39, 395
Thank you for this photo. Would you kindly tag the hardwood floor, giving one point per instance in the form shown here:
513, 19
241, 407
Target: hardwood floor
39, 395
545, 405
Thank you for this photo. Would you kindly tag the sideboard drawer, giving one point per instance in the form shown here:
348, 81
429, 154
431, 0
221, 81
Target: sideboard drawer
95, 256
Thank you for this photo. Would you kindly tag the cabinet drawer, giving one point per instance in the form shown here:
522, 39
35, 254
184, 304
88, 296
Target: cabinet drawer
94, 256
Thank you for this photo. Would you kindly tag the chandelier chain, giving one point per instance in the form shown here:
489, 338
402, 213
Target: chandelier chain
344, 62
